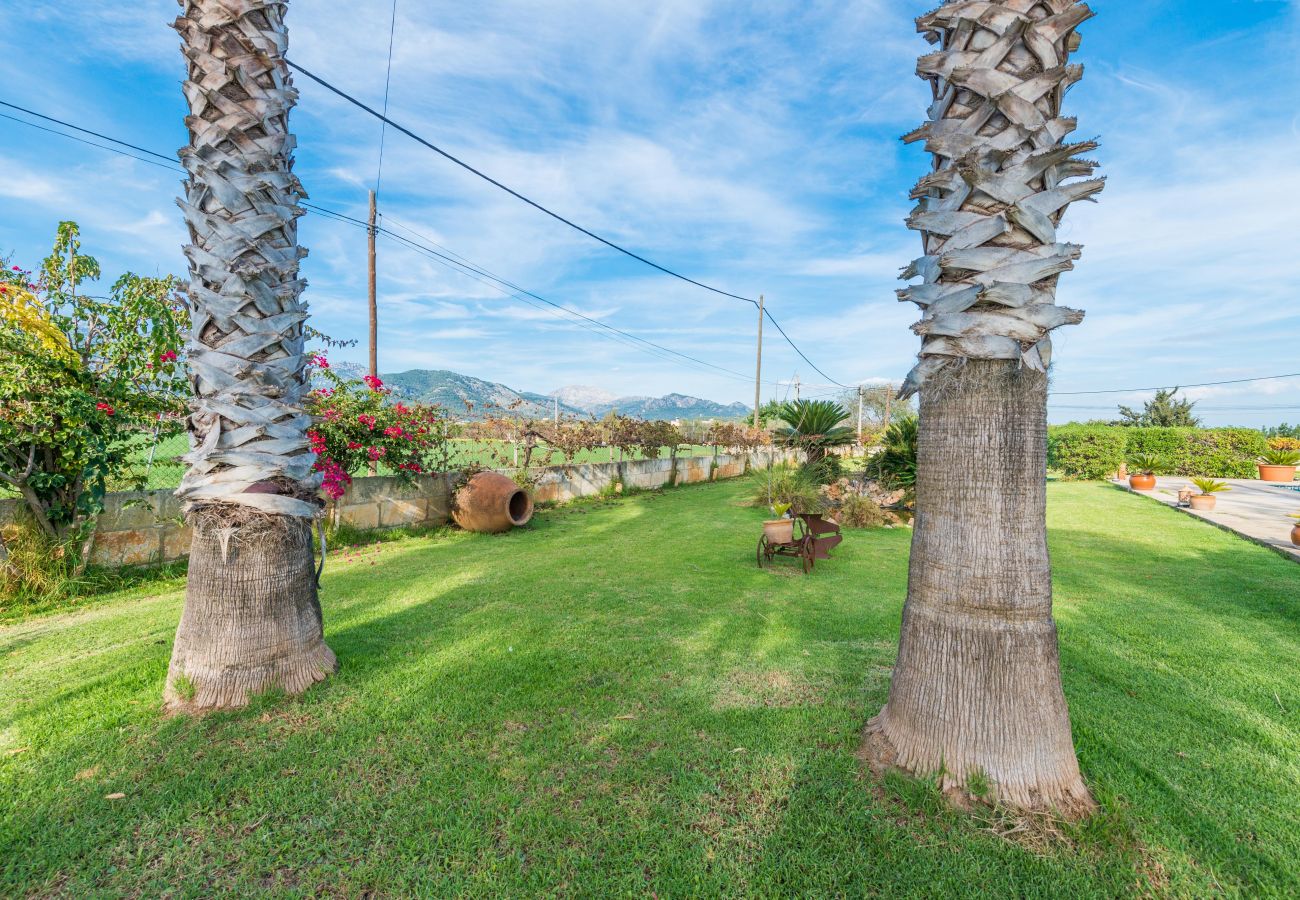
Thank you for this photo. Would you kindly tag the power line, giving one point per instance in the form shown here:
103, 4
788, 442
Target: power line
102, 137
800, 352
509, 190
505, 286
388, 75
92, 143
1168, 387
442, 152
533, 203
459, 265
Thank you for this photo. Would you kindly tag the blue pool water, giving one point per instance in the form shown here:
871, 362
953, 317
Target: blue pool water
1288, 487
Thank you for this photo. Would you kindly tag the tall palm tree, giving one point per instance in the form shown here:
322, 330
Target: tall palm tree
815, 426
252, 619
976, 692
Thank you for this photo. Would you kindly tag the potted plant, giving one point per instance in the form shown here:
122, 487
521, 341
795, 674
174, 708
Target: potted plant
1143, 475
1206, 500
1278, 465
1295, 529
781, 529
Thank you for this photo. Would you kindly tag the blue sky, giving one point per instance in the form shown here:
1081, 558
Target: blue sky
753, 146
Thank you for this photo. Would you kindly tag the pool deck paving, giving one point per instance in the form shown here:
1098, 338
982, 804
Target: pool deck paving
1256, 510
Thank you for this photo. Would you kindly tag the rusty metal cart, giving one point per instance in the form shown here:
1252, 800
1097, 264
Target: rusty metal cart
812, 538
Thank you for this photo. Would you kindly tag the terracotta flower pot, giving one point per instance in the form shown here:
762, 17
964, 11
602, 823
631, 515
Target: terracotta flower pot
491, 503
1295, 534
1142, 482
1204, 502
779, 531
1285, 474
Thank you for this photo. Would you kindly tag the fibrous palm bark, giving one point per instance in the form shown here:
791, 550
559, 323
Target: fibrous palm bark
252, 618
976, 692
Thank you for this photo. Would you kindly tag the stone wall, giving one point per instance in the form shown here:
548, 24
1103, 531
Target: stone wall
146, 527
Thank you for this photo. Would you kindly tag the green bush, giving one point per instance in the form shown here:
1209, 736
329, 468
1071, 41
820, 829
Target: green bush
1095, 451
1210, 452
1086, 451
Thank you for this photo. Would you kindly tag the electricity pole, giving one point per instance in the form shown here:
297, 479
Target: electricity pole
859, 415
889, 396
796, 387
758, 367
374, 312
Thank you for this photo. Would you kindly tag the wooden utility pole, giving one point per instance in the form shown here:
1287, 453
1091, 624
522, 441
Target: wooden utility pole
374, 311
758, 367
859, 415
796, 387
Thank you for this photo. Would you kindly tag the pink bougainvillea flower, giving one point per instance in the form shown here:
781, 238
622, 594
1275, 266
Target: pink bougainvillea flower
393, 431
375, 453
104, 408
373, 382
322, 362
354, 445
169, 356
366, 420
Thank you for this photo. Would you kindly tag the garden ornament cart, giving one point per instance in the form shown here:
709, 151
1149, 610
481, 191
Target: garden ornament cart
811, 537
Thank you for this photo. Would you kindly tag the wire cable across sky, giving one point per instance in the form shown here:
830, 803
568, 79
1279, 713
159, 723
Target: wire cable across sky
388, 122
554, 215
172, 164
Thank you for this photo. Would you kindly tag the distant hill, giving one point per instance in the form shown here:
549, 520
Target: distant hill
453, 390
598, 402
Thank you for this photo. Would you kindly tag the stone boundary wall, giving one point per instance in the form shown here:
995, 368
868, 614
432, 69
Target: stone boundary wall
146, 527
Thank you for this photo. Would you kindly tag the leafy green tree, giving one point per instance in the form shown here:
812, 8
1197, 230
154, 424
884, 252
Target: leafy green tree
1165, 410
814, 426
82, 380
770, 412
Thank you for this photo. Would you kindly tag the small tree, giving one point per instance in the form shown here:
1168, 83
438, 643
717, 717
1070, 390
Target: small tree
1166, 410
82, 379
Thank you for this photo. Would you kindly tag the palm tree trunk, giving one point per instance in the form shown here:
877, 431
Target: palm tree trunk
976, 693
976, 690
252, 618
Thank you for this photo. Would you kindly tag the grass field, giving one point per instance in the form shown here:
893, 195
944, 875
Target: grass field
616, 702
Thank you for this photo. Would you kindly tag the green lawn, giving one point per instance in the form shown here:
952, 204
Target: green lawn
615, 701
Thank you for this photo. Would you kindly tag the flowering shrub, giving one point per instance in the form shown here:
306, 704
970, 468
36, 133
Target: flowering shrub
356, 424
82, 380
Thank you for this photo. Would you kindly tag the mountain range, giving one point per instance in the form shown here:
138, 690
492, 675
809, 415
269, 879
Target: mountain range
453, 390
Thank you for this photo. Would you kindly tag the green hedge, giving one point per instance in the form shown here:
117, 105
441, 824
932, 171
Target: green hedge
1096, 451
1086, 451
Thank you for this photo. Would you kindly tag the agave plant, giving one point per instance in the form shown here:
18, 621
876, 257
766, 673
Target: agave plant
815, 426
1210, 486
